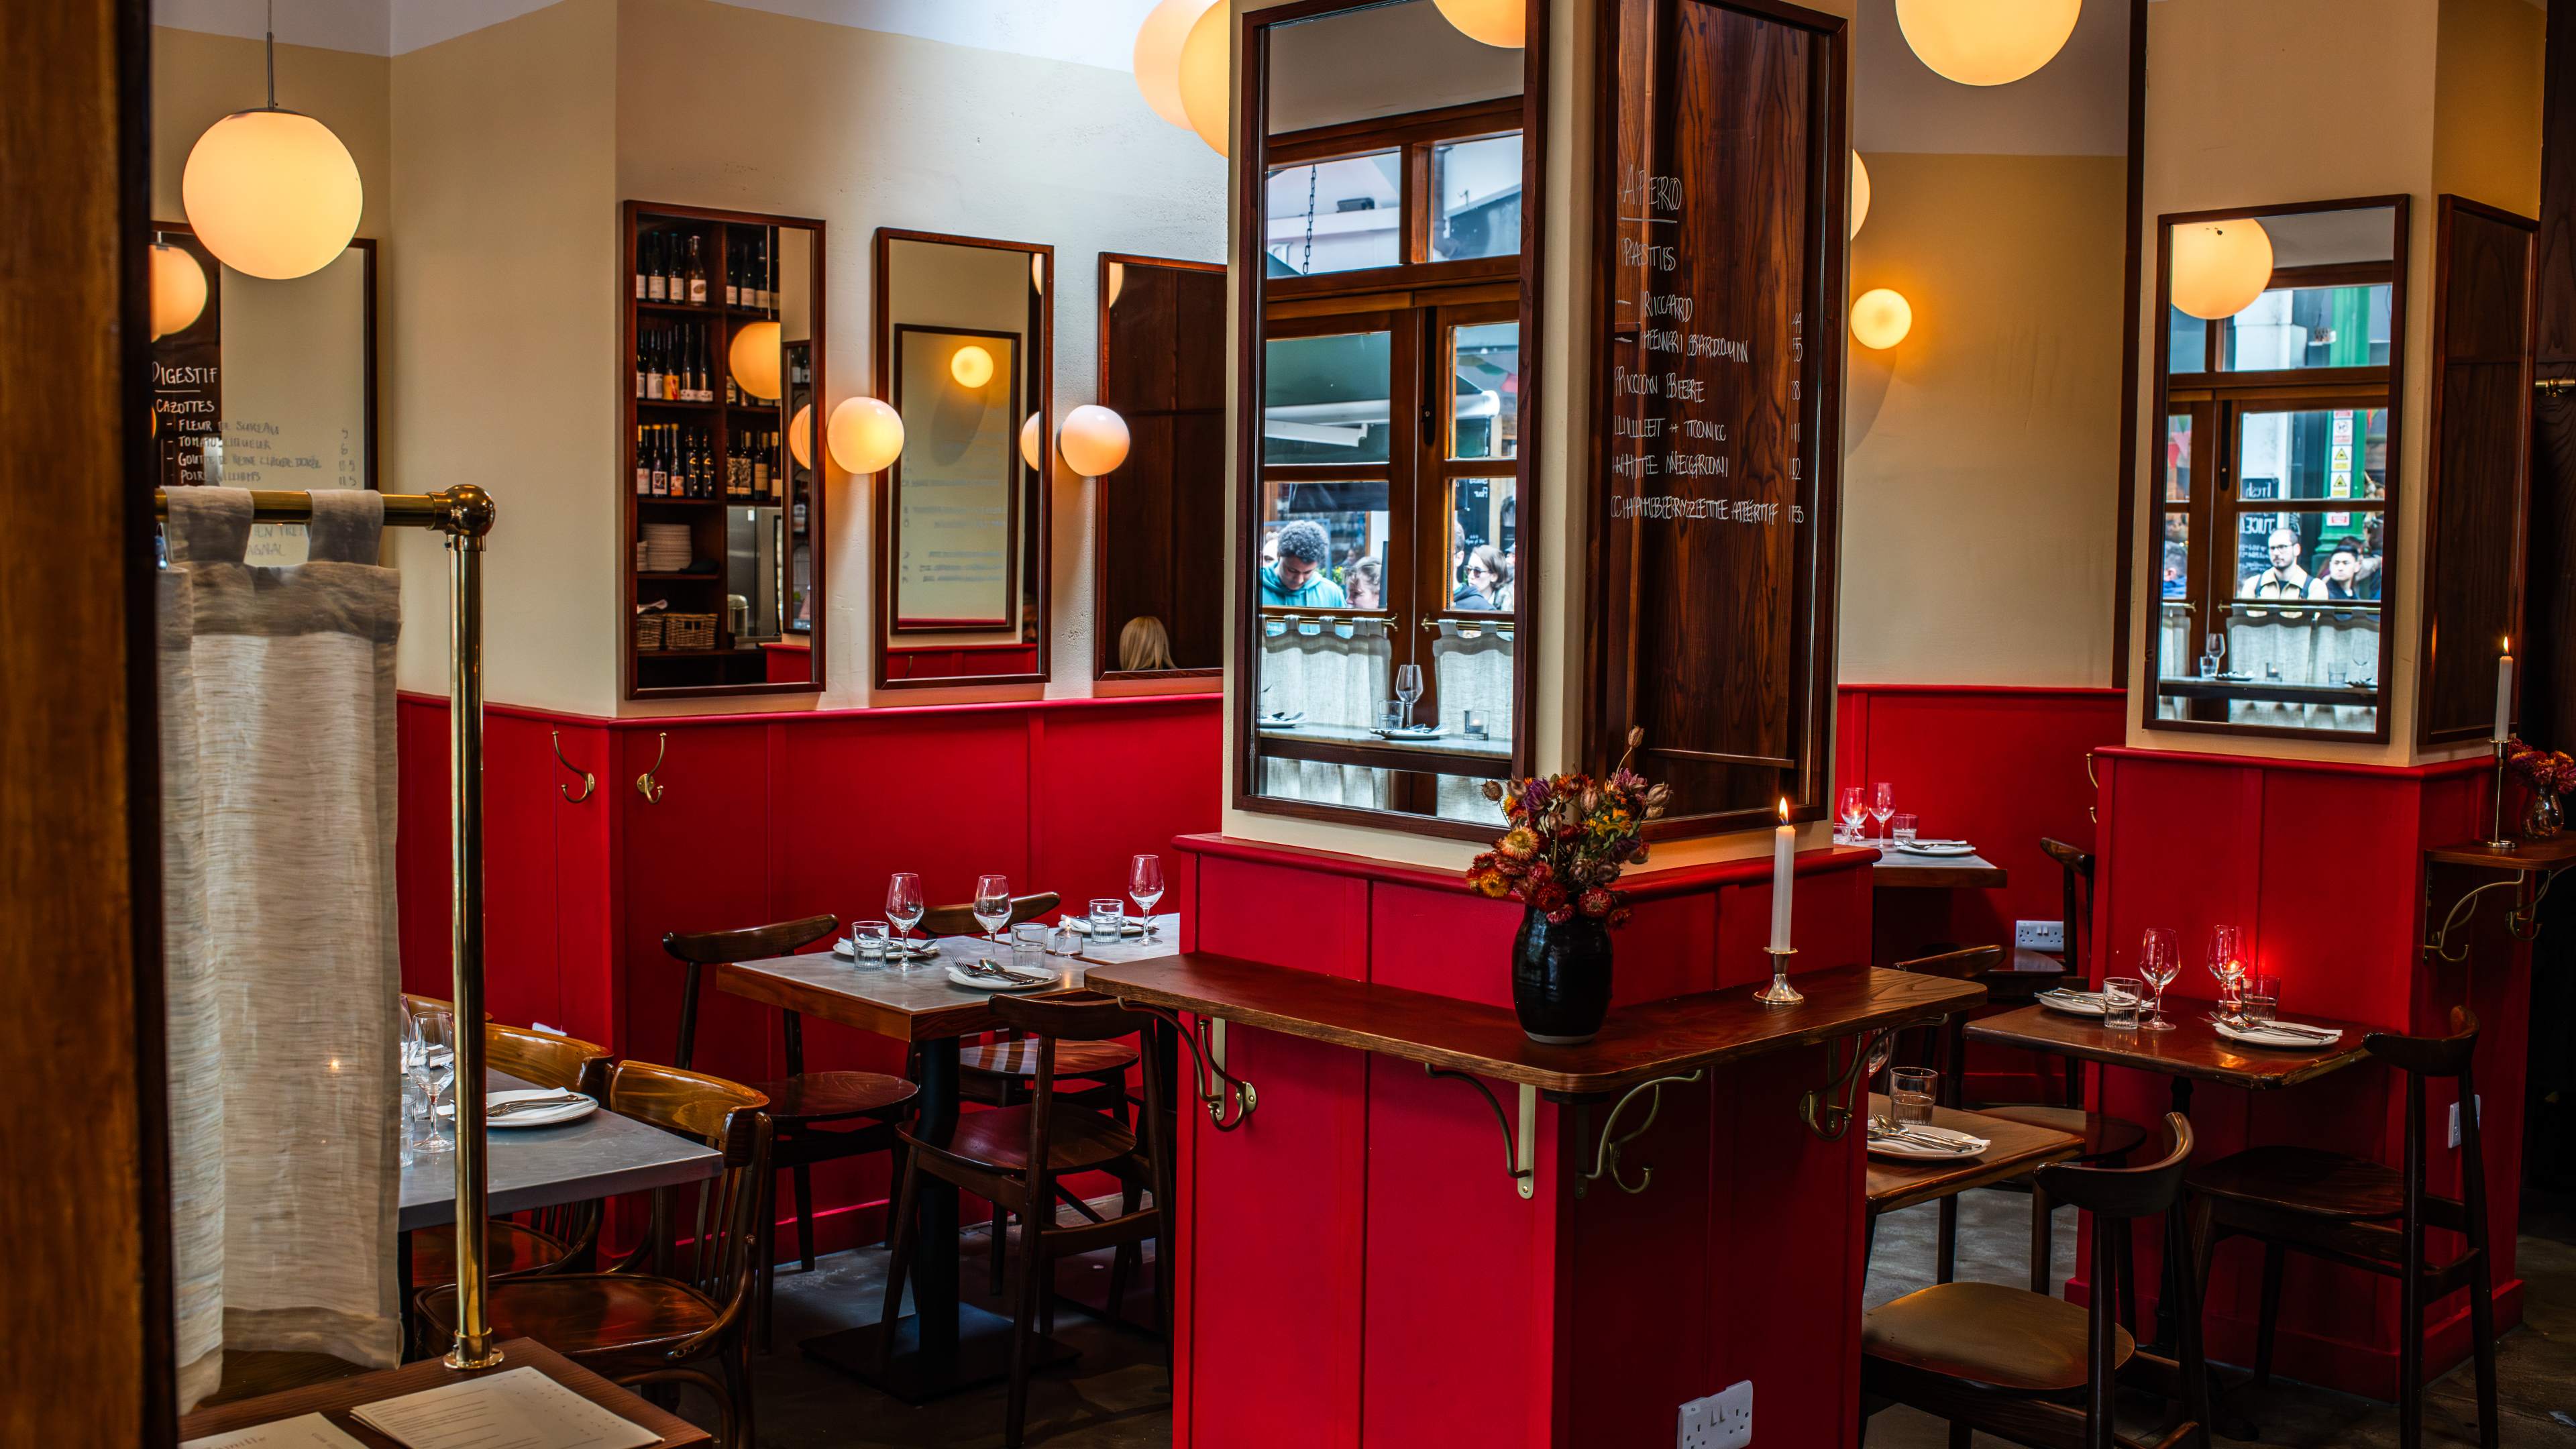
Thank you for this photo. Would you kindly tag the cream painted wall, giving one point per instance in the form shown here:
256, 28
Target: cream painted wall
2486, 97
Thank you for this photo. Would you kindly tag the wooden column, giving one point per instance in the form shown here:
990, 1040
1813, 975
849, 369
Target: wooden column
2549, 689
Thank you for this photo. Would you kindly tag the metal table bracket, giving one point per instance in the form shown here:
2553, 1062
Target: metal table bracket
1605, 1156
2521, 921
1520, 1143
1216, 1088
1827, 1110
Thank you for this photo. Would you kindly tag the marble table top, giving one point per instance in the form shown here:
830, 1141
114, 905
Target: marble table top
534, 1167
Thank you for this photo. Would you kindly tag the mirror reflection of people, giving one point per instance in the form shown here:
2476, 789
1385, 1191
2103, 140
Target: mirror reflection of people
2284, 579
1365, 584
1270, 548
2344, 578
1296, 580
1485, 579
2177, 571
1144, 644
1504, 599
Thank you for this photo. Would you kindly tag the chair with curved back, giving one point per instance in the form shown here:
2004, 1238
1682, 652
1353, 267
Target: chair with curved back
2368, 1215
2034, 1369
690, 1323
864, 1105
545, 1240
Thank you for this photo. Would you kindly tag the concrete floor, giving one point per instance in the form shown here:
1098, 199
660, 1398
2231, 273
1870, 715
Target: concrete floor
1117, 1395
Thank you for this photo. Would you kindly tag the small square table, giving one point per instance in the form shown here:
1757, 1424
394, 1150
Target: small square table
2018, 1149
1904, 870
534, 1167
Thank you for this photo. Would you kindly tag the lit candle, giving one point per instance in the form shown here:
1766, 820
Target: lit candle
1784, 852
2504, 694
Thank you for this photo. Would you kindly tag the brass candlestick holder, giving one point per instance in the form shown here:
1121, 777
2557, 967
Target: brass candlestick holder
2497, 840
1779, 992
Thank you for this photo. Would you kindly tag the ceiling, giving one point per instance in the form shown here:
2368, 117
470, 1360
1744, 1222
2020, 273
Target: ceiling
2076, 105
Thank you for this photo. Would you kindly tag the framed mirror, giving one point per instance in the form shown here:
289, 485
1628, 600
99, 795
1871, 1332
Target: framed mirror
259, 383
966, 354
2277, 492
1386, 490
1158, 522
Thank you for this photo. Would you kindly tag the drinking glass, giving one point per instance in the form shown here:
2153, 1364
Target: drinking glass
2226, 957
1882, 804
2209, 666
1108, 914
2159, 961
1882, 1049
2259, 999
1848, 806
1029, 948
1905, 828
429, 1055
2121, 996
868, 941
1408, 688
903, 902
1390, 714
1909, 1094
1145, 887
992, 904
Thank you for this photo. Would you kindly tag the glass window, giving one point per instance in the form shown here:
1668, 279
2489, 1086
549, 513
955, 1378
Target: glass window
1337, 216
2302, 327
1485, 367
2189, 341
1323, 545
1484, 545
2313, 453
1324, 399
2177, 557
1476, 198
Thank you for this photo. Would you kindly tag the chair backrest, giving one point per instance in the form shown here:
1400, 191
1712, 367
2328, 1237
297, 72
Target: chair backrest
565, 1063
1098, 1019
2075, 881
716, 948
2429, 1056
1961, 965
418, 1004
2117, 1194
2124, 1192
711, 1245
960, 920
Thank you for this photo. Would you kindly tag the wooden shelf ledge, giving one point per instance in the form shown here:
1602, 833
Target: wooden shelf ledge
2551, 854
1637, 1043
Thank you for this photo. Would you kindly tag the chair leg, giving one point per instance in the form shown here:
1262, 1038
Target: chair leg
735, 1410
2043, 1242
1033, 1274
768, 1249
805, 1217
1122, 1264
993, 1252
2127, 1269
2410, 1344
1945, 1245
900, 1261
1961, 1435
2483, 1346
2275, 1257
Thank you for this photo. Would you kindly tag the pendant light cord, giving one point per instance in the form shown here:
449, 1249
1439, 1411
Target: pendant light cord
272, 54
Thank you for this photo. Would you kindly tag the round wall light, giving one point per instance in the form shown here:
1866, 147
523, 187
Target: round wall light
1158, 56
1987, 42
178, 290
1880, 318
754, 359
1206, 77
1494, 22
800, 436
866, 435
1093, 440
1032, 447
272, 193
1117, 281
972, 366
2220, 267
1859, 194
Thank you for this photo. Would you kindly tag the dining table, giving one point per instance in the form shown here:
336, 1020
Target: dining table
1904, 870
2013, 1150
596, 1156
944, 1345
336, 1399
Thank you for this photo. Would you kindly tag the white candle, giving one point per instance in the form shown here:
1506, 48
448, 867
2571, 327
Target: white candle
2504, 694
1784, 854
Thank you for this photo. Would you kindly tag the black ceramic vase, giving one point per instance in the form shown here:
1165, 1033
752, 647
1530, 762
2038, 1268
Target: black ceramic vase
1561, 978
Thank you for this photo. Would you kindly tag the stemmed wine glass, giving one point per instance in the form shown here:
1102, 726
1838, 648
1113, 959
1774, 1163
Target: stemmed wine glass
1145, 886
2159, 960
904, 908
1408, 688
1882, 804
992, 904
429, 1055
1849, 806
2227, 963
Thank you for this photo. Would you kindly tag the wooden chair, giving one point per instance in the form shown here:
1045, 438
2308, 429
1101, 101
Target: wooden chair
547, 1240
2030, 1368
691, 1324
2366, 1215
802, 1102
1012, 1156
2075, 908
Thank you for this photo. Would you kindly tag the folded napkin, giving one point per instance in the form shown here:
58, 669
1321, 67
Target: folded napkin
1915, 1134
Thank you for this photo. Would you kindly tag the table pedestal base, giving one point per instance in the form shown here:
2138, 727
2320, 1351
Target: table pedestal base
983, 1356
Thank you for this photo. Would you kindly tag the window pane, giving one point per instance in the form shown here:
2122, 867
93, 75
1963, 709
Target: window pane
2177, 562
1337, 216
2178, 458
1485, 369
1484, 544
1324, 399
2309, 556
2296, 327
2189, 345
1476, 195
2313, 453
1323, 545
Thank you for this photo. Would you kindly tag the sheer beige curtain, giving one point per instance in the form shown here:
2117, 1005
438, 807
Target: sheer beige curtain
277, 737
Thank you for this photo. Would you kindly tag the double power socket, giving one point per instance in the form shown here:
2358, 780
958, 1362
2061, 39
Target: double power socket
1723, 1420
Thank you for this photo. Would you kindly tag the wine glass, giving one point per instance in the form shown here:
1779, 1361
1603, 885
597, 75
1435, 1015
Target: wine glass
1408, 688
992, 904
1850, 807
2159, 961
2227, 963
1882, 803
903, 905
429, 1056
1882, 1050
1145, 886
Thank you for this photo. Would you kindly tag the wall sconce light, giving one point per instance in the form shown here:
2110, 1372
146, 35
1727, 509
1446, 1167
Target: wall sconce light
1987, 42
972, 366
1206, 76
1503, 23
753, 356
1093, 440
1859, 194
866, 435
1881, 318
1158, 56
800, 436
1032, 447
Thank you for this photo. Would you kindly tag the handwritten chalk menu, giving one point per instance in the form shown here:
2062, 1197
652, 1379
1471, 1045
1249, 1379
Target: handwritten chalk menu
957, 486
188, 382
1720, 365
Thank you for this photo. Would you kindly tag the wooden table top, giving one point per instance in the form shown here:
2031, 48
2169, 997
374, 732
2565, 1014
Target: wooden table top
534, 1167
335, 1399
1902, 870
2018, 1148
1652, 1039
919, 1002
2192, 1049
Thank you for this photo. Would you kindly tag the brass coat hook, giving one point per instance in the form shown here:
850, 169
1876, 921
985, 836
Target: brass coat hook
645, 784
589, 781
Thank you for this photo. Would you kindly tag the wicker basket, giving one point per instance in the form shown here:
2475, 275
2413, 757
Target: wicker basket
648, 632
689, 631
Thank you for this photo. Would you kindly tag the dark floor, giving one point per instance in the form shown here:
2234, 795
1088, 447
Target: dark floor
1117, 1396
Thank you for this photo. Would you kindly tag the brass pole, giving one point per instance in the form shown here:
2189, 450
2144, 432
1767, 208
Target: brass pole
473, 1348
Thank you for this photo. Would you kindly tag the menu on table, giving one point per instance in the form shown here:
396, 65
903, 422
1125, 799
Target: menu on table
304, 1431
517, 1409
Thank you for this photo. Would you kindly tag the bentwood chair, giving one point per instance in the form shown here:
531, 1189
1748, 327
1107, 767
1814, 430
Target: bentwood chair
1013, 1157
860, 1108
2030, 1368
690, 1324
2366, 1215
547, 1240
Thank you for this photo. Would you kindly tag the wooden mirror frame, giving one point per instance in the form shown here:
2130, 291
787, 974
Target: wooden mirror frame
2390, 502
1251, 151
880, 627
1105, 631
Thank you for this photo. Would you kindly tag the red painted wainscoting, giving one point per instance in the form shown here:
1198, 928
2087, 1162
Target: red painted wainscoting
767, 817
1357, 1269
2322, 866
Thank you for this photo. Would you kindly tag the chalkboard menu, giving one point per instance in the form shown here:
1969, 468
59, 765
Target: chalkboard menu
1717, 417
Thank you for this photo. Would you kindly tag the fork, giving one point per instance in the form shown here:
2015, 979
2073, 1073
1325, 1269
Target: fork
994, 968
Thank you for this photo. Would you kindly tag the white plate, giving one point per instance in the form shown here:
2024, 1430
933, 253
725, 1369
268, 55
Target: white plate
1946, 851
2073, 1003
959, 976
921, 950
1130, 927
2257, 1036
1412, 732
1969, 1147
572, 1111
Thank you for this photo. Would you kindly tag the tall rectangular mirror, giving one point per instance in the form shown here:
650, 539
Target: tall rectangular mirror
1158, 522
965, 354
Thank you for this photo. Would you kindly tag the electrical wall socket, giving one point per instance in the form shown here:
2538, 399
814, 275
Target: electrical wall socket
1723, 1420
2040, 935
2455, 1117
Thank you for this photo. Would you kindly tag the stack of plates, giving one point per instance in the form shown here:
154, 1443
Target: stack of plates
666, 548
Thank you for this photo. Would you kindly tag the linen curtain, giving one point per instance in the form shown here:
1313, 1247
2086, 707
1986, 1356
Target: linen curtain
277, 740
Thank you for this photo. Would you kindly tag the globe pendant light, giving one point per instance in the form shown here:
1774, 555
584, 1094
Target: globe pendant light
2220, 267
272, 192
1881, 318
866, 435
1502, 23
1158, 56
1987, 42
1206, 77
972, 366
1859, 194
178, 290
1093, 440
754, 359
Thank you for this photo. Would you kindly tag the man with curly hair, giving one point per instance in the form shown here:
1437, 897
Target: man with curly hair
1297, 581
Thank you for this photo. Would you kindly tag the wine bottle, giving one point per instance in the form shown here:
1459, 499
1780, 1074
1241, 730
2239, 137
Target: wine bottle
643, 462
733, 277
639, 363
651, 366
697, 275
643, 246
654, 290
661, 478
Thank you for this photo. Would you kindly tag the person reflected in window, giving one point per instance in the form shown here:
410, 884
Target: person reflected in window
1485, 579
1144, 644
1365, 584
2284, 579
1269, 548
1506, 597
1296, 580
2177, 571
2344, 579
